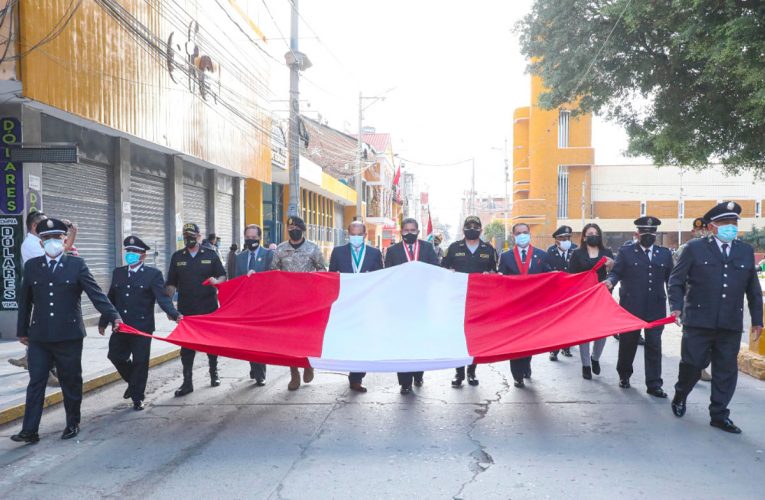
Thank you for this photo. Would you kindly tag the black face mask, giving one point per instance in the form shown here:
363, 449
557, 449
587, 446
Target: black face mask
190, 242
295, 234
593, 240
472, 234
647, 239
251, 244
410, 238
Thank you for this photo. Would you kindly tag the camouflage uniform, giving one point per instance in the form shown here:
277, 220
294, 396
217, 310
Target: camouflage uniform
306, 258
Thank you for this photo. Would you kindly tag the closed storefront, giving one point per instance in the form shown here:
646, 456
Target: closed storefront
224, 214
149, 202
195, 203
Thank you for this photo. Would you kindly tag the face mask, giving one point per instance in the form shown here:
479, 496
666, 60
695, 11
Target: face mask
190, 242
565, 245
356, 240
251, 244
53, 248
727, 233
472, 234
410, 238
647, 239
523, 239
295, 234
592, 240
132, 258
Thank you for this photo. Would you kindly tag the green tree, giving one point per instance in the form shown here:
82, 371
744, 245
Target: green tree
686, 78
494, 230
756, 238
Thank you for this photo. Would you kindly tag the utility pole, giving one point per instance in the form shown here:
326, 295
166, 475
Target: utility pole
359, 151
472, 189
584, 198
296, 61
507, 198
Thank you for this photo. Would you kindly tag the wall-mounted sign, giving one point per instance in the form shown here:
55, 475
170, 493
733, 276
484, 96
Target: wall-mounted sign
11, 237
12, 188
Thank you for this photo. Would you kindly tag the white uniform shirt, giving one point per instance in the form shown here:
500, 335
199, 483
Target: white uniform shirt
31, 248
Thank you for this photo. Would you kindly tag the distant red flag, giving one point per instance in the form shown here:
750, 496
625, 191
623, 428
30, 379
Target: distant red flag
429, 232
397, 186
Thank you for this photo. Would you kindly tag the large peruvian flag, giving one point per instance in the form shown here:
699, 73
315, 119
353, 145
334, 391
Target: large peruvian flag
405, 318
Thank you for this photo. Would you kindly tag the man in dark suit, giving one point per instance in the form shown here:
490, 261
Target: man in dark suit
356, 257
50, 324
643, 269
254, 259
523, 259
408, 250
706, 292
134, 290
558, 256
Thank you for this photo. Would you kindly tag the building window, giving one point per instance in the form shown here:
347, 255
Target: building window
562, 192
563, 117
642, 209
758, 209
681, 209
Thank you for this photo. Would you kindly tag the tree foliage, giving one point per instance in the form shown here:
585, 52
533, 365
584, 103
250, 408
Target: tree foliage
495, 229
686, 78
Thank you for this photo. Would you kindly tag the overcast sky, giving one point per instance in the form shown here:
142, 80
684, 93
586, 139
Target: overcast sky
456, 72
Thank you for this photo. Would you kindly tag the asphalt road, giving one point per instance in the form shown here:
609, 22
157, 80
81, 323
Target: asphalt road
562, 436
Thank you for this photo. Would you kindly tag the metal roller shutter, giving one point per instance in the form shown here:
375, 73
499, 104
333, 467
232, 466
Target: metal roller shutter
224, 222
195, 207
148, 205
84, 194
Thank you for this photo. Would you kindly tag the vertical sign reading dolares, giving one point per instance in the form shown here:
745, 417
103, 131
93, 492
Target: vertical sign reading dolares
11, 224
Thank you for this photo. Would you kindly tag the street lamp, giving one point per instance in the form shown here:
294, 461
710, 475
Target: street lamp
507, 180
359, 141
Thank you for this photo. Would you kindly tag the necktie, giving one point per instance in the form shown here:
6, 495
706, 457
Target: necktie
648, 254
411, 249
251, 265
523, 256
52, 265
725, 250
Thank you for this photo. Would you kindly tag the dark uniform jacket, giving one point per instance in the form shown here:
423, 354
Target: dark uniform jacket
263, 260
581, 261
52, 300
341, 260
187, 274
709, 289
643, 282
135, 296
558, 262
396, 255
538, 264
461, 259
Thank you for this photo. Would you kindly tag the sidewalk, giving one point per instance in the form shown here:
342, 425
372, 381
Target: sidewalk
97, 370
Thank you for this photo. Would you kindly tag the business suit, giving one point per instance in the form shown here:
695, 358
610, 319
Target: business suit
341, 261
709, 289
642, 293
258, 260
50, 315
537, 264
395, 256
134, 293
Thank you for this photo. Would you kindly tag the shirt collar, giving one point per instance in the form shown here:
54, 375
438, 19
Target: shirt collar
57, 259
721, 243
650, 249
135, 269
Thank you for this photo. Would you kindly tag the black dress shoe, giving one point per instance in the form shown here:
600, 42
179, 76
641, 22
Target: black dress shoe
406, 389
519, 383
726, 425
126, 394
457, 382
553, 356
70, 432
357, 387
418, 382
624, 383
657, 393
595, 366
260, 382
567, 352
138, 405
26, 437
214, 380
678, 406
587, 373
183, 390
472, 380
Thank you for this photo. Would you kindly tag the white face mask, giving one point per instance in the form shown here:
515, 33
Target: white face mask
53, 248
565, 245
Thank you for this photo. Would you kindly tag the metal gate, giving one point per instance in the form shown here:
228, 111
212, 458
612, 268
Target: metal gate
150, 214
84, 194
195, 207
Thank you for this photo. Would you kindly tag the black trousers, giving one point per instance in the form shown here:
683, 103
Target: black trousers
405, 379
628, 344
460, 371
259, 370
66, 356
700, 346
187, 359
130, 356
356, 377
520, 367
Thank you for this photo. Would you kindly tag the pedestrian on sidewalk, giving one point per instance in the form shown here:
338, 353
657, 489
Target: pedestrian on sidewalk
706, 294
356, 257
584, 258
559, 257
50, 324
298, 255
134, 290
190, 267
253, 259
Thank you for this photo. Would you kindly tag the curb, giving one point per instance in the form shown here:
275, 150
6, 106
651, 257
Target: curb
15, 412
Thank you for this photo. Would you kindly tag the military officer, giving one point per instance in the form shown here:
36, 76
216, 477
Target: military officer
253, 259
409, 249
134, 290
50, 324
189, 269
706, 293
470, 255
558, 256
643, 269
356, 257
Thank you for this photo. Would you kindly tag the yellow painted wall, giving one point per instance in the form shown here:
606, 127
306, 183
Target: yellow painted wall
253, 202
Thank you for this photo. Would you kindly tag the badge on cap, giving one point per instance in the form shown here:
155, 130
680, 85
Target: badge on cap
650, 221
132, 241
731, 205
50, 223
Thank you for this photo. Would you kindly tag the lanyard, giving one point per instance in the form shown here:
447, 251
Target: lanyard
523, 267
413, 255
357, 258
